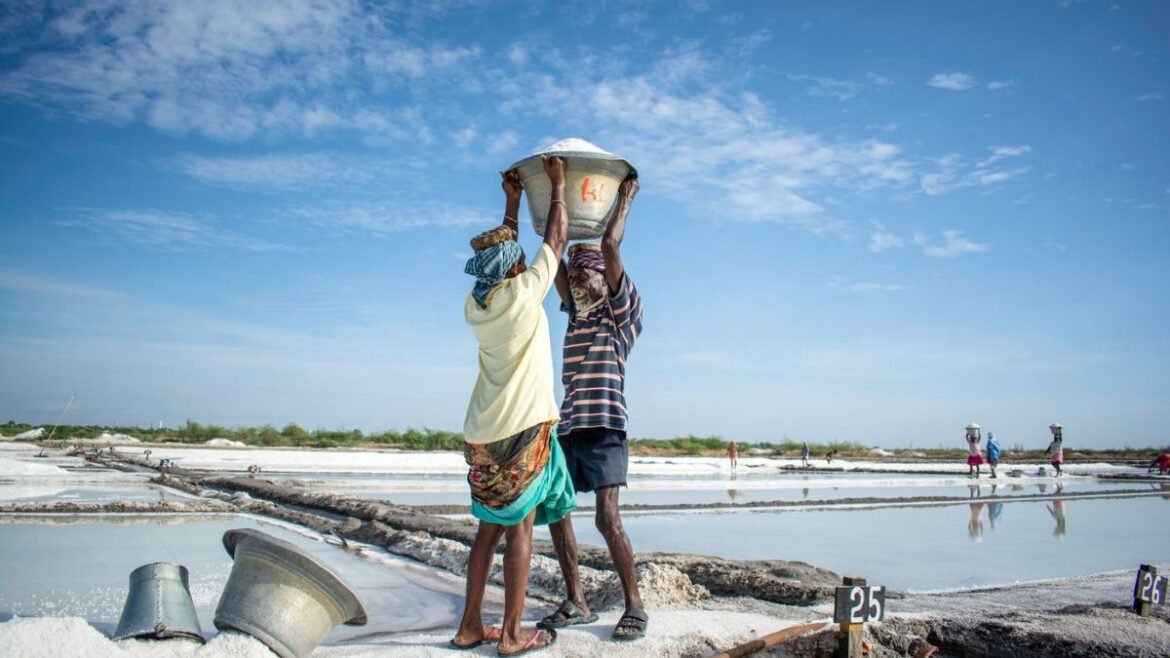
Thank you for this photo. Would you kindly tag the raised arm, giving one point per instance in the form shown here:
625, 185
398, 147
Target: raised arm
611, 243
556, 229
562, 281
510, 181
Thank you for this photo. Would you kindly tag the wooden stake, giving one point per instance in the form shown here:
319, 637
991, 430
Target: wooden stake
771, 639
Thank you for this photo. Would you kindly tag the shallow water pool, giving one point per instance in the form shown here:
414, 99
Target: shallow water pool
983, 542
80, 566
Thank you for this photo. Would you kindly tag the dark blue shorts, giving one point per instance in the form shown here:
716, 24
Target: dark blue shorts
597, 457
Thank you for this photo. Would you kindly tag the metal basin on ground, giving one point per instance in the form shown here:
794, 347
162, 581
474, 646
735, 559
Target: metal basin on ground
282, 596
159, 605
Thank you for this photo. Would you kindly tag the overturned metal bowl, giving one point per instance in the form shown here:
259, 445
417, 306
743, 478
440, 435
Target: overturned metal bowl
282, 596
158, 605
592, 178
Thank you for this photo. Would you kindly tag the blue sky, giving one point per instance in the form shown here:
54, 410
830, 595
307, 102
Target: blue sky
860, 221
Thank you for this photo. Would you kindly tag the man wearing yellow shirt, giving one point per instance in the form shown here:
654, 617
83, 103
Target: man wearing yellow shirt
517, 473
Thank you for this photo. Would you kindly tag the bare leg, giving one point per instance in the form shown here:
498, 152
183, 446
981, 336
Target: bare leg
479, 567
565, 543
609, 523
517, 564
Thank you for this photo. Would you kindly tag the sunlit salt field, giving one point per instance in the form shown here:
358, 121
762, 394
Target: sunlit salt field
64, 566
908, 526
985, 541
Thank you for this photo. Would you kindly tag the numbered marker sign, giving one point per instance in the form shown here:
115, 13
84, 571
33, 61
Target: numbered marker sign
1150, 587
857, 604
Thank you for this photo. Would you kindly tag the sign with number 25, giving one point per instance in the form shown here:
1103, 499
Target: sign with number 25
857, 605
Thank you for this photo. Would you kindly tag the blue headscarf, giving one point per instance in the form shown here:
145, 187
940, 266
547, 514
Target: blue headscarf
489, 266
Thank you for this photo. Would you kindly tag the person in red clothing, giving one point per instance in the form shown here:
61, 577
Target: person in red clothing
1162, 463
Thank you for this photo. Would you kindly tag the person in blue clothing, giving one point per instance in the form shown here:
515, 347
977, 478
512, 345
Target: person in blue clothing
993, 452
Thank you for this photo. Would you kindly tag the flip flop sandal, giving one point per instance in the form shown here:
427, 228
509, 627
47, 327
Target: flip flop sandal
630, 627
568, 614
531, 645
493, 635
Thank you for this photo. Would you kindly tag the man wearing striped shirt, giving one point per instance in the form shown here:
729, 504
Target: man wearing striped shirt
605, 318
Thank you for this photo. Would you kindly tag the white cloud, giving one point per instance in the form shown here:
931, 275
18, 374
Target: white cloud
1001, 152
463, 138
841, 90
226, 69
1155, 96
1128, 166
864, 286
951, 81
879, 80
737, 162
953, 173
389, 217
953, 244
996, 85
880, 239
162, 229
749, 43
287, 171
518, 55
503, 142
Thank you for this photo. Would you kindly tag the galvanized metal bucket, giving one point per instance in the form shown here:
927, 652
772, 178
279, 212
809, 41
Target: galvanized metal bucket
159, 605
282, 596
592, 178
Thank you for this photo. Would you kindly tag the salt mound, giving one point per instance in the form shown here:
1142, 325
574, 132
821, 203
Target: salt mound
662, 585
30, 435
224, 443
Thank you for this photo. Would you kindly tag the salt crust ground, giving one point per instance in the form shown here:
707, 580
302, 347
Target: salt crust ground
694, 628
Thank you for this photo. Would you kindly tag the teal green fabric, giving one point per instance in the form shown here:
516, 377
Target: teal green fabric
551, 494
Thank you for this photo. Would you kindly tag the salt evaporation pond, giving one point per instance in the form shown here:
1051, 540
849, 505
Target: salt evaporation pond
925, 547
452, 489
79, 566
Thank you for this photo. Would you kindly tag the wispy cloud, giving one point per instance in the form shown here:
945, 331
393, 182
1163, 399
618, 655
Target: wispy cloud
1001, 152
160, 229
234, 72
227, 70
841, 90
864, 286
281, 172
996, 85
951, 81
952, 172
1155, 96
951, 245
39, 285
386, 218
881, 239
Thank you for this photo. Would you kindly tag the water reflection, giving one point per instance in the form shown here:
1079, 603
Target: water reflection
975, 524
994, 511
732, 492
1056, 509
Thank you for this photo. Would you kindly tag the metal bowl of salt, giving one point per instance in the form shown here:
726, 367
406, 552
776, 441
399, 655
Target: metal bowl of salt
592, 178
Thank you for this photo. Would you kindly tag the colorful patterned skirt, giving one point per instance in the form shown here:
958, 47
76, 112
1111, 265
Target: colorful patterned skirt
511, 477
